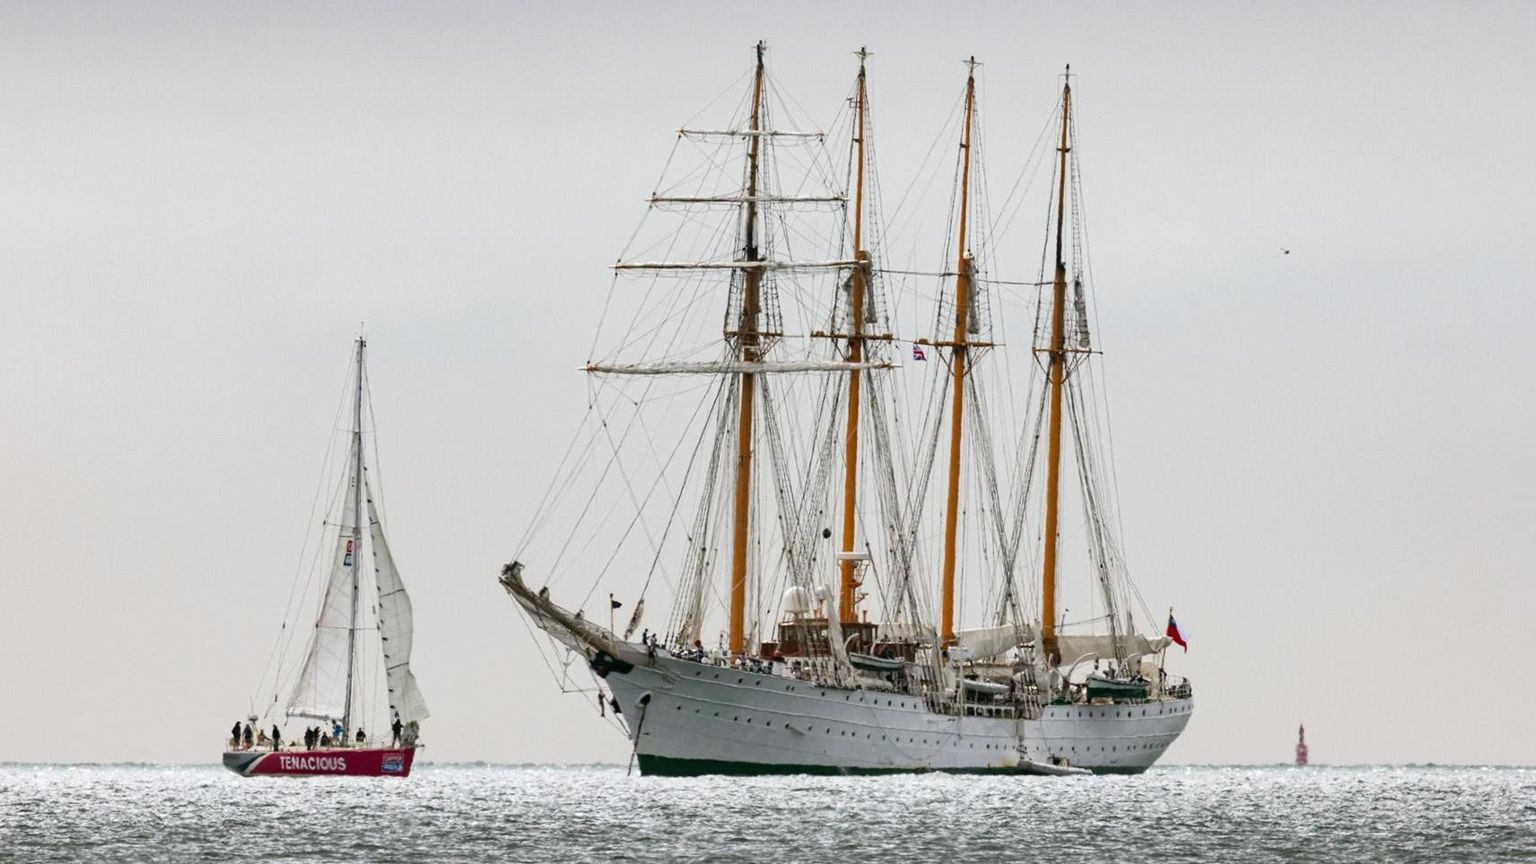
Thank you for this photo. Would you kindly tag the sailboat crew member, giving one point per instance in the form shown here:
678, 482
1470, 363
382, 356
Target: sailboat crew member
277, 738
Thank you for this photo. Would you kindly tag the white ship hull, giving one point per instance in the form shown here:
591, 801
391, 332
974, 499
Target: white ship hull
704, 719
686, 717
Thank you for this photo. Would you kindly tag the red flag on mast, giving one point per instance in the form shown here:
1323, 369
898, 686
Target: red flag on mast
1174, 634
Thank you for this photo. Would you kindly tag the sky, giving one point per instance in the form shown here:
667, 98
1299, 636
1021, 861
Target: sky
1324, 459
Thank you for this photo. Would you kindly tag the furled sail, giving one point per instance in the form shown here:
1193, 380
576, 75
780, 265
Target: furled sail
395, 626
1103, 645
321, 689
985, 643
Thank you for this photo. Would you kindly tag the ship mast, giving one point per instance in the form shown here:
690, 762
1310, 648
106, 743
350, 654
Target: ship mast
850, 583
357, 533
957, 365
1058, 357
747, 341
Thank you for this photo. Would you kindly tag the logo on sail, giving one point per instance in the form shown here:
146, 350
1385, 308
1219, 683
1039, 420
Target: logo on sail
347, 561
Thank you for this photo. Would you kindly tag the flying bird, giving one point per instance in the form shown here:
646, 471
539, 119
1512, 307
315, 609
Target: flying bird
1285, 250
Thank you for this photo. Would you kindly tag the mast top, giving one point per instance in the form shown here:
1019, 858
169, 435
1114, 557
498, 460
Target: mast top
971, 64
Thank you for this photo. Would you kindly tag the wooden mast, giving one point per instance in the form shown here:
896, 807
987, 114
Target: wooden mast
847, 599
1058, 358
748, 345
957, 365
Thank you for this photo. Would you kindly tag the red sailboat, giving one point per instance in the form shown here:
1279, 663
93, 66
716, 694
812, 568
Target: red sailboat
359, 604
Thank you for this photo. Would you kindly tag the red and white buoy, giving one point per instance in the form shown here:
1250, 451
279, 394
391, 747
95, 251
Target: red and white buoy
1301, 747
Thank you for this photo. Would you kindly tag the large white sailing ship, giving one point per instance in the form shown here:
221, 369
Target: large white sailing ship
716, 461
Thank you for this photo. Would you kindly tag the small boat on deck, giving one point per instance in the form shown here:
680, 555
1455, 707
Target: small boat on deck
1100, 687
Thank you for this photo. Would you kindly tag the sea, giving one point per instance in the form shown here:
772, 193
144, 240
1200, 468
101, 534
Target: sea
481, 812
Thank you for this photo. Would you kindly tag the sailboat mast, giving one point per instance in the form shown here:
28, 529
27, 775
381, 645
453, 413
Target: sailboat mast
1058, 359
957, 365
850, 583
748, 345
357, 532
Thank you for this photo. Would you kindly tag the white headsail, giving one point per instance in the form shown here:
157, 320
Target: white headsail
395, 626
321, 689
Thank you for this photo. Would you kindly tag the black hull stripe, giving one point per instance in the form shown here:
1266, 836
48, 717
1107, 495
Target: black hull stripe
667, 766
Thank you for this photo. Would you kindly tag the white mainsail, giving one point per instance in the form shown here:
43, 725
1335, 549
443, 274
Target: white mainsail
395, 626
321, 689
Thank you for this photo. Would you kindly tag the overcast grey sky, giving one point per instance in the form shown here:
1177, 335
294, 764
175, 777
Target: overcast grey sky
1325, 459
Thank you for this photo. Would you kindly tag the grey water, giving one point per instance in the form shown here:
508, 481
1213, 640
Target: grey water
597, 813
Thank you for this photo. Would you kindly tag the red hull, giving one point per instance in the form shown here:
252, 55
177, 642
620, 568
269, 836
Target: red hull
348, 762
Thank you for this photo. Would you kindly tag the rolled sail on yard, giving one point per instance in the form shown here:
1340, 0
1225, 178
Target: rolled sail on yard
395, 627
321, 689
1075, 646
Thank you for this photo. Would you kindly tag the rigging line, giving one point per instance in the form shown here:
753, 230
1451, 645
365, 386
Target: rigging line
659, 483
687, 605
989, 491
1090, 505
280, 647
945, 274
556, 488
895, 221
1081, 201
1031, 159
735, 83
581, 517
538, 645
378, 471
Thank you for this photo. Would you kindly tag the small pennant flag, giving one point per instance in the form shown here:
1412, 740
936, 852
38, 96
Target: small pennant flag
917, 353
1174, 634
614, 603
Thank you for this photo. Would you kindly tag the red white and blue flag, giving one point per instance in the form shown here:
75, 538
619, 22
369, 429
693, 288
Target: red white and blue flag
1174, 634
917, 352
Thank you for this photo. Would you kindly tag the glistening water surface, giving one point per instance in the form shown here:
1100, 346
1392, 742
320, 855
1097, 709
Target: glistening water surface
596, 813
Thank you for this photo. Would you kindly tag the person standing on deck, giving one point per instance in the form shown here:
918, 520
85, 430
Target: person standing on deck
396, 727
234, 736
277, 738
